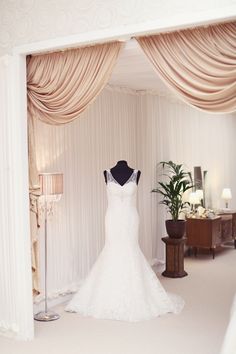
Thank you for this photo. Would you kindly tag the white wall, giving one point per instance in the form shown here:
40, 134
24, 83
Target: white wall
143, 129
29, 21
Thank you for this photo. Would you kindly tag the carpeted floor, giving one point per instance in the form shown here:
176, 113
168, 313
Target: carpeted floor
208, 291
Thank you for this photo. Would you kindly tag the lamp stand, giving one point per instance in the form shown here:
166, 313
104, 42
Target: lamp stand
46, 315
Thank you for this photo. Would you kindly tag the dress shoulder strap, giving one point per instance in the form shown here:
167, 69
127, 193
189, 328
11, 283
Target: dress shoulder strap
109, 176
133, 177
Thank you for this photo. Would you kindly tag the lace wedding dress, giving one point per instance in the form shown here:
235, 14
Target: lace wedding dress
121, 284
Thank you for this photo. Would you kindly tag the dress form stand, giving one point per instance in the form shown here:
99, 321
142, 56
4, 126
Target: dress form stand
122, 172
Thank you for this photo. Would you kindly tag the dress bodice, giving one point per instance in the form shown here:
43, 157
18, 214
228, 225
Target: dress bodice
118, 194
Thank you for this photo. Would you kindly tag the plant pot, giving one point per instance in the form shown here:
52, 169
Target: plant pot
175, 228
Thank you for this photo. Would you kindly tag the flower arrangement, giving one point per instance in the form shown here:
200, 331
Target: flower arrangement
201, 212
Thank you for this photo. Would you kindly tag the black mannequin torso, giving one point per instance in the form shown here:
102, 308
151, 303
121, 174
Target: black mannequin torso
122, 172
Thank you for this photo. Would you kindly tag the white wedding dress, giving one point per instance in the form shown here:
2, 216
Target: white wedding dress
121, 284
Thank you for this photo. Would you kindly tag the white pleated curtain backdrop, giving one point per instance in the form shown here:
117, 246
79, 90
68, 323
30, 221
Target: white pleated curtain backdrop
169, 129
81, 150
142, 128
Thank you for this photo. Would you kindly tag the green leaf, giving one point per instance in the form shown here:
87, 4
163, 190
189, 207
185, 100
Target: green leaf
177, 182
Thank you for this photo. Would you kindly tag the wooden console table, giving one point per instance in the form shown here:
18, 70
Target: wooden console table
203, 233
228, 228
174, 257
210, 233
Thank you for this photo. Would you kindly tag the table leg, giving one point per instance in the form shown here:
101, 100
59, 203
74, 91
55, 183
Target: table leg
189, 251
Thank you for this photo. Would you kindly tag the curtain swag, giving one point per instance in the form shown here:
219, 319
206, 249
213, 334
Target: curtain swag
198, 64
60, 86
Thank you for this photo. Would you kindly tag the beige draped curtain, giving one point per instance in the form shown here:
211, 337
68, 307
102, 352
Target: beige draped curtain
60, 86
198, 64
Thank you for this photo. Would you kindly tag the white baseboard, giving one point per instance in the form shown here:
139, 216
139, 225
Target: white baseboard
55, 298
52, 302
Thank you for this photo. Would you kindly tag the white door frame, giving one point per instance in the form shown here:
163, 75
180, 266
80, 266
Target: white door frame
16, 308
20, 103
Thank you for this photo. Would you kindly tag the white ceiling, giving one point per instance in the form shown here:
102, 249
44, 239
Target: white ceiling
134, 70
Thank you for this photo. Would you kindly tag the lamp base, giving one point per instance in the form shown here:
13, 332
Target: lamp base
46, 316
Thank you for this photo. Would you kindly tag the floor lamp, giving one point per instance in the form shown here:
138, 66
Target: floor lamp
51, 185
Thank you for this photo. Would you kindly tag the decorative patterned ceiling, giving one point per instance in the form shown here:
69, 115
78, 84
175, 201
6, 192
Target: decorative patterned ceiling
28, 21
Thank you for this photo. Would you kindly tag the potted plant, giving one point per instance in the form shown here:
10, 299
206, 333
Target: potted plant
177, 182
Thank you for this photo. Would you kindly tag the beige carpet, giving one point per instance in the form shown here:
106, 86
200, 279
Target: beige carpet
208, 291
